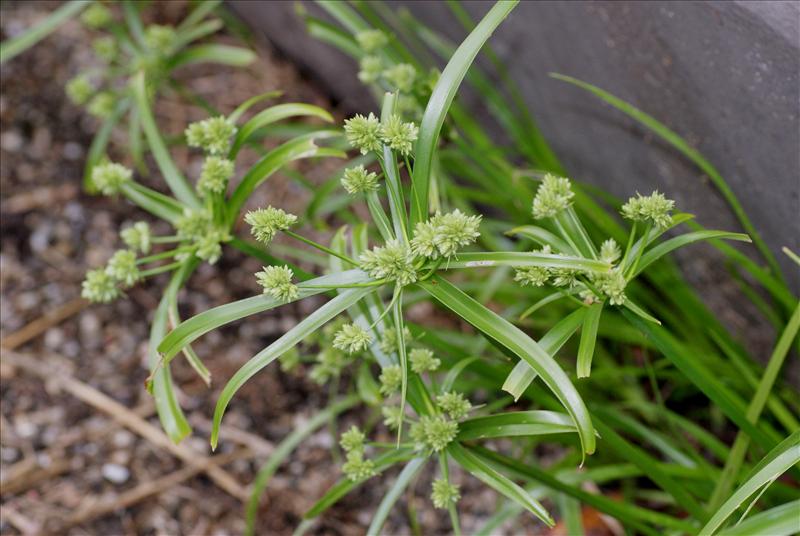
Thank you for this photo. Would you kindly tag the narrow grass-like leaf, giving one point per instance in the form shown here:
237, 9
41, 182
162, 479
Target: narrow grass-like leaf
454, 371
284, 449
394, 188
543, 237
522, 375
286, 342
19, 44
692, 154
522, 259
272, 115
213, 53
297, 148
443, 94
343, 487
783, 520
667, 246
511, 338
173, 177
479, 468
153, 202
199, 325
249, 103
588, 339
390, 498
516, 423
328, 33
777, 462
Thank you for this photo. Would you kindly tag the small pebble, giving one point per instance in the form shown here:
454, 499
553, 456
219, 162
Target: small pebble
115, 473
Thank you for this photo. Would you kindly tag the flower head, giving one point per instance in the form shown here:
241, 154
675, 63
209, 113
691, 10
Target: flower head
215, 175
99, 286
434, 433
422, 360
391, 377
364, 133
398, 135
535, 276
654, 208
213, 135
209, 245
193, 224
96, 16
137, 236
393, 261
392, 417
159, 38
371, 40
370, 69
401, 77
389, 340
609, 251
110, 177
564, 277
330, 362
357, 179
265, 223
612, 285
357, 468
353, 440
554, 195
352, 338
122, 267
444, 494
277, 282
454, 404
79, 89
444, 234
102, 104
105, 48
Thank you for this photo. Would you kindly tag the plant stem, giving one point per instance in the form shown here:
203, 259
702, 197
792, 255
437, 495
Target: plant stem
161, 269
320, 247
163, 255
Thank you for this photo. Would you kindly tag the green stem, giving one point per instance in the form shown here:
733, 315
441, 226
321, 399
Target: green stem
163, 255
161, 269
165, 239
320, 247
376, 283
641, 249
631, 238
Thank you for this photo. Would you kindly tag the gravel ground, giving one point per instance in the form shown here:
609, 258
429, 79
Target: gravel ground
63, 460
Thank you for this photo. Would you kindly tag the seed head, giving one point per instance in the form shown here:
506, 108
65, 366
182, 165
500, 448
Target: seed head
434, 433
105, 48
212, 135
122, 267
137, 236
352, 338
392, 417
371, 40
444, 234
364, 133
654, 207
454, 404
371, 68
422, 360
391, 378
209, 246
159, 38
277, 282
96, 16
535, 276
444, 494
393, 261
330, 362
99, 286
215, 175
398, 135
357, 468
358, 179
102, 104
110, 177
193, 224
609, 251
353, 440
401, 77
79, 89
612, 285
554, 195
389, 340
265, 223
